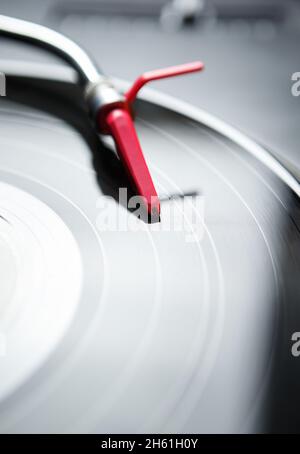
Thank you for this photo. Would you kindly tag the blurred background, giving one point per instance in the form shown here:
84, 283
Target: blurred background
251, 51
250, 48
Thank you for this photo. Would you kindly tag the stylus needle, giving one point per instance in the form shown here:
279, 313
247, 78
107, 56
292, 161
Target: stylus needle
122, 129
111, 109
118, 122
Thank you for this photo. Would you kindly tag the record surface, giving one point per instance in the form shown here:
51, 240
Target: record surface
109, 324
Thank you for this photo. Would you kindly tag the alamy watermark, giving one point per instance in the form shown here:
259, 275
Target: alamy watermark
3, 347
295, 90
2, 84
295, 350
178, 214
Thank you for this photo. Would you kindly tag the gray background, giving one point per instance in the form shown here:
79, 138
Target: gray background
250, 48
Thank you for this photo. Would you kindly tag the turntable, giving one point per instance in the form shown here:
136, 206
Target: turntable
113, 324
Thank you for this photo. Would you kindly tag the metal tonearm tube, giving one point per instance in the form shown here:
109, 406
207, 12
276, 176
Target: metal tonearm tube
110, 109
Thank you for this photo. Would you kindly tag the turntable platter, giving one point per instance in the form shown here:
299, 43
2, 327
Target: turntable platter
169, 327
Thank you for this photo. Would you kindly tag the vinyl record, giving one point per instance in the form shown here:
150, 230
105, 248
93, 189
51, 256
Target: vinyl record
111, 324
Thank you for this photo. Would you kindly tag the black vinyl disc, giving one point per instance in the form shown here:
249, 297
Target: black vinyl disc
110, 324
